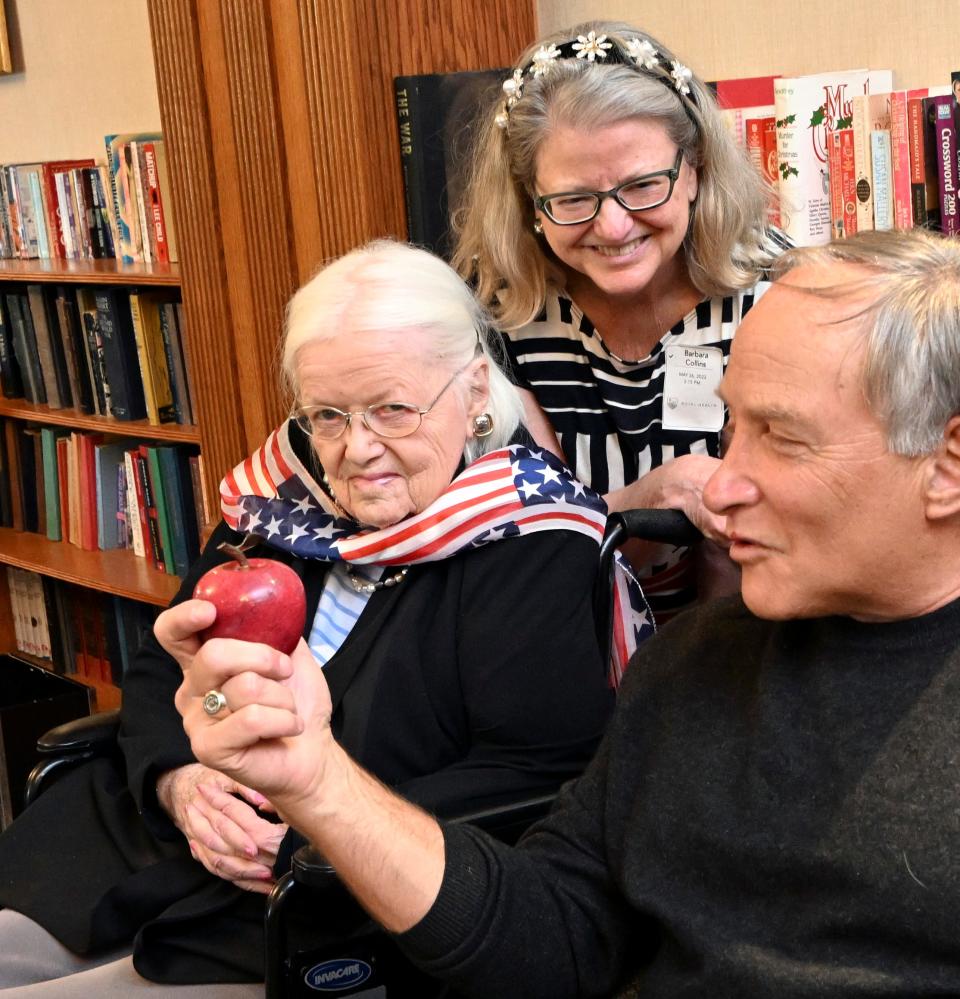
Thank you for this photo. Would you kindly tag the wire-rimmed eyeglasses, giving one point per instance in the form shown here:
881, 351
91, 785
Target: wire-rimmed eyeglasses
637, 195
386, 419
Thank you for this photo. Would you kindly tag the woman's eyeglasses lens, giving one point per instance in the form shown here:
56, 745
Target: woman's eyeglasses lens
636, 196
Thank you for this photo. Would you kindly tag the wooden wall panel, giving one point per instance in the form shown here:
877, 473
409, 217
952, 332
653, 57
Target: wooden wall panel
336, 62
181, 88
283, 154
254, 203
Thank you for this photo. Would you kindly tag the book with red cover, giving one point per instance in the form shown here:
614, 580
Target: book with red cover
743, 92
156, 218
924, 196
770, 165
51, 204
13, 465
900, 160
88, 491
63, 482
848, 181
753, 128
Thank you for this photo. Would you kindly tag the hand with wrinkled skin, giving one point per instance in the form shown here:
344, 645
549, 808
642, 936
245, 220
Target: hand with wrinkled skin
219, 819
269, 696
217, 815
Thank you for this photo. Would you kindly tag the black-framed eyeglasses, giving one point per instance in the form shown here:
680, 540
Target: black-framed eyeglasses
386, 419
638, 195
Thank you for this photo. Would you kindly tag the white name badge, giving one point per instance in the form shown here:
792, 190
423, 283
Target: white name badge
690, 400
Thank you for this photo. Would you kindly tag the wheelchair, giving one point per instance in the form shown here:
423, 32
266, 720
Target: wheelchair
360, 958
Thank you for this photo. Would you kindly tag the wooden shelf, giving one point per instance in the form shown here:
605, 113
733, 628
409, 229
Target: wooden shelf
20, 409
118, 572
90, 272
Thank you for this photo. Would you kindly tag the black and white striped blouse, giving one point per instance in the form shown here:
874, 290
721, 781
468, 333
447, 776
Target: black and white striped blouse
607, 411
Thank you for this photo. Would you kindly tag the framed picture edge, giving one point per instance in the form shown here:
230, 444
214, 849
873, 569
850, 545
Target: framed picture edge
6, 62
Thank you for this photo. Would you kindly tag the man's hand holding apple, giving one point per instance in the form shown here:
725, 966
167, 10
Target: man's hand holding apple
274, 735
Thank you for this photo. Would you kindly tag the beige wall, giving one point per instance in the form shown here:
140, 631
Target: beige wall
85, 70
917, 39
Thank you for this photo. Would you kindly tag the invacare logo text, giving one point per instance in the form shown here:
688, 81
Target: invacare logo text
337, 975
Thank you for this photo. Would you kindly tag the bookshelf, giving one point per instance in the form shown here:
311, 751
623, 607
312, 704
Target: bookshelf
91, 272
117, 573
282, 152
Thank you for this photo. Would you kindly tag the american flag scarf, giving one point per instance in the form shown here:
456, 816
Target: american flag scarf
503, 494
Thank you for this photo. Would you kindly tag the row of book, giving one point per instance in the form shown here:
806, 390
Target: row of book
99, 350
81, 210
845, 151
81, 633
848, 152
102, 493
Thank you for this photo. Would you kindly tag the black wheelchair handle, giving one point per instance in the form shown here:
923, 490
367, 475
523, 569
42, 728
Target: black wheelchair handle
658, 525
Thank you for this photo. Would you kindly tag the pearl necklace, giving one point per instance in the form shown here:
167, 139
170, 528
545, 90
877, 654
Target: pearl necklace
365, 586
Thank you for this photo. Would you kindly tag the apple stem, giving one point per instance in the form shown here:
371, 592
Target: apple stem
237, 551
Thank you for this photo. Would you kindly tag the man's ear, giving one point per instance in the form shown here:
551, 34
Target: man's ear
942, 494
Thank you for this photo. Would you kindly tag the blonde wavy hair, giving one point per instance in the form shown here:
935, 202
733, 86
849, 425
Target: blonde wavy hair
728, 243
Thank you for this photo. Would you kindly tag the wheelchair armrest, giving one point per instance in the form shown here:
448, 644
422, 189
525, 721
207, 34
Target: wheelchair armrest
89, 735
506, 816
505, 819
66, 745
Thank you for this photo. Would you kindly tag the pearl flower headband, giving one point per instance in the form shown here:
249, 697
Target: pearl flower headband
592, 48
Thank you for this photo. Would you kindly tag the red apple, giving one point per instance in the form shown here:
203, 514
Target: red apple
257, 600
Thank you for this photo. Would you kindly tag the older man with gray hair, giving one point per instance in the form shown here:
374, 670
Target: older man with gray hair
774, 810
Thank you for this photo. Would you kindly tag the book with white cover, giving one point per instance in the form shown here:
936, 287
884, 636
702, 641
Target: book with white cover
807, 109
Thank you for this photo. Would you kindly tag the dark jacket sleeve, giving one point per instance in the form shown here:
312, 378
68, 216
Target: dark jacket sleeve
533, 688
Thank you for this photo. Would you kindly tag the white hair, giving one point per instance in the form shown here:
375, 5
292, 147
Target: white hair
386, 286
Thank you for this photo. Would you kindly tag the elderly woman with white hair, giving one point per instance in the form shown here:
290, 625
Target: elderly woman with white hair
448, 567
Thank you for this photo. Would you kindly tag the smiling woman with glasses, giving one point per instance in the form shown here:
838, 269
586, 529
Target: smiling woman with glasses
448, 567
611, 225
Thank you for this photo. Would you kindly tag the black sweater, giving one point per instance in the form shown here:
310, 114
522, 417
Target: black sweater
773, 813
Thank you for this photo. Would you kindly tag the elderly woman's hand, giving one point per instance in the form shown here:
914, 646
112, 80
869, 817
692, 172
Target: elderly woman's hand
218, 817
273, 732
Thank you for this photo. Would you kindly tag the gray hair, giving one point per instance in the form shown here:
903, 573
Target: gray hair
387, 285
911, 371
